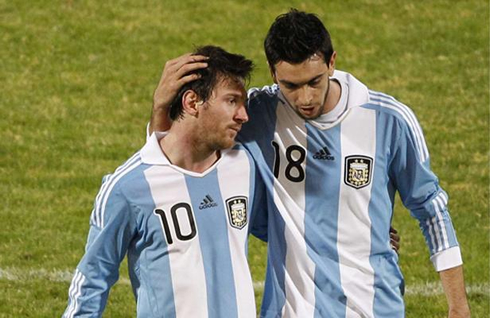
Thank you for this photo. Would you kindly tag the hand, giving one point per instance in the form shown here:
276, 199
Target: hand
175, 75
394, 239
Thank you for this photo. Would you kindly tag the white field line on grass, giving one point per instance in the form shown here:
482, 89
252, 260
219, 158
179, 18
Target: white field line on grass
65, 276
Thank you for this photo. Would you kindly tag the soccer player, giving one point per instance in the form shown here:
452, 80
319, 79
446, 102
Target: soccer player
180, 209
333, 153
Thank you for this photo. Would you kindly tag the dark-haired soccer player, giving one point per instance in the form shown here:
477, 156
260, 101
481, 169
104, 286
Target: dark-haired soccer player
333, 154
180, 209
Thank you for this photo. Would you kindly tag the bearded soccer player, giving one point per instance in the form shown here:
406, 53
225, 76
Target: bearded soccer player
333, 153
180, 209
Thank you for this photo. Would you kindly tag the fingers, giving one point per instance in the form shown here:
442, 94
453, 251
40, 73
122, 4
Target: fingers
176, 73
185, 64
394, 236
190, 67
189, 78
394, 239
395, 245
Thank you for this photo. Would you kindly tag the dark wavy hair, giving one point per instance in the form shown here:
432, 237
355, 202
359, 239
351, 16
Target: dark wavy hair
221, 65
294, 37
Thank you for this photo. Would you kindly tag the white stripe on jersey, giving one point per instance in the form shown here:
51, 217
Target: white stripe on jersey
435, 226
290, 201
358, 137
107, 187
185, 258
227, 177
407, 114
439, 204
74, 292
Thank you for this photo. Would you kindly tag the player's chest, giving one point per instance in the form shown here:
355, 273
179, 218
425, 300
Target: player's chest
344, 153
187, 211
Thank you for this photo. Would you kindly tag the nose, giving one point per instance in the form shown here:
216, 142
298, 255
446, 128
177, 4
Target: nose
241, 114
305, 96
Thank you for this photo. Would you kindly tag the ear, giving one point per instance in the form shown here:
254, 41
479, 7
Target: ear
190, 103
331, 63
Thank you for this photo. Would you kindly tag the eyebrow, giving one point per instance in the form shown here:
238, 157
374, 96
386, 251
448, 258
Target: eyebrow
286, 82
236, 95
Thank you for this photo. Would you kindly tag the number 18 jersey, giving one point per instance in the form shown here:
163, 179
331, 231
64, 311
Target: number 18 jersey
331, 186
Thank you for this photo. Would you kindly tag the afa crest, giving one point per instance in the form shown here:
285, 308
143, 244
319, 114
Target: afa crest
358, 171
237, 211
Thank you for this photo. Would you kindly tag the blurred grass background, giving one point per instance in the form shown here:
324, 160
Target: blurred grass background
77, 79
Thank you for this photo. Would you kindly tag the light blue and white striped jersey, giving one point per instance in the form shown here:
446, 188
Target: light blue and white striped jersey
332, 184
185, 235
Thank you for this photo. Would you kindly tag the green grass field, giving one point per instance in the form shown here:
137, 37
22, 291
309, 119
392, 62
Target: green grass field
77, 79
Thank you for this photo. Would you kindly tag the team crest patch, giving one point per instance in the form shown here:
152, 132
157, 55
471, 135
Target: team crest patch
358, 171
237, 211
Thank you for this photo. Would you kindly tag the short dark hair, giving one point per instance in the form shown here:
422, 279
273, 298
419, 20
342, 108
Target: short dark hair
221, 65
295, 36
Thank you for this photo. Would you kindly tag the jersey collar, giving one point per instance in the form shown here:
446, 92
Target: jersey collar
152, 154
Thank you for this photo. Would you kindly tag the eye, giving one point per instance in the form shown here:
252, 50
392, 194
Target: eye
290, 86
314, 83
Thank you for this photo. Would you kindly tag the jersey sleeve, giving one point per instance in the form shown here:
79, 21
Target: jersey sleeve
421, 193
108, 240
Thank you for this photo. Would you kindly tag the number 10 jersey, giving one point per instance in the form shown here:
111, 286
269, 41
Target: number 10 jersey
185, 235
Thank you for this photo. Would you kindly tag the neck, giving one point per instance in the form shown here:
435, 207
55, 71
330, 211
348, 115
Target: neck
333, 96
185, 151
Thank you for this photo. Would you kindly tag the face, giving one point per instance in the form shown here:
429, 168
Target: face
305, 85
222, 115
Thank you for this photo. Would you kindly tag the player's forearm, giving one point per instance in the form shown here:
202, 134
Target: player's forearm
453, 283
159, 120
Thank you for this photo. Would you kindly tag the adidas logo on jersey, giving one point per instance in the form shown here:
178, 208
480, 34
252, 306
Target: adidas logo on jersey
207, 202
323, 154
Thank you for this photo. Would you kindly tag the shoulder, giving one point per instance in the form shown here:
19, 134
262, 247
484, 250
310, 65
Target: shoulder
126, 172
390, 107
265, 91
258, 97
238, 150
114, 186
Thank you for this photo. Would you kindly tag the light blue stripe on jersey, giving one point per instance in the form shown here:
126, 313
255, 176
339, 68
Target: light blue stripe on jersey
151, 274
211, 223
321, 217
388, 302
274, 297
263, 115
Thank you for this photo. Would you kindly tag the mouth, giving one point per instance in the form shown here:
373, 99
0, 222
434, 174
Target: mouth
236, 128
307, 110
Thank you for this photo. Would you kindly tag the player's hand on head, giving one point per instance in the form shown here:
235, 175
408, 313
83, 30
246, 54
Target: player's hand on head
175, 75
394, 239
